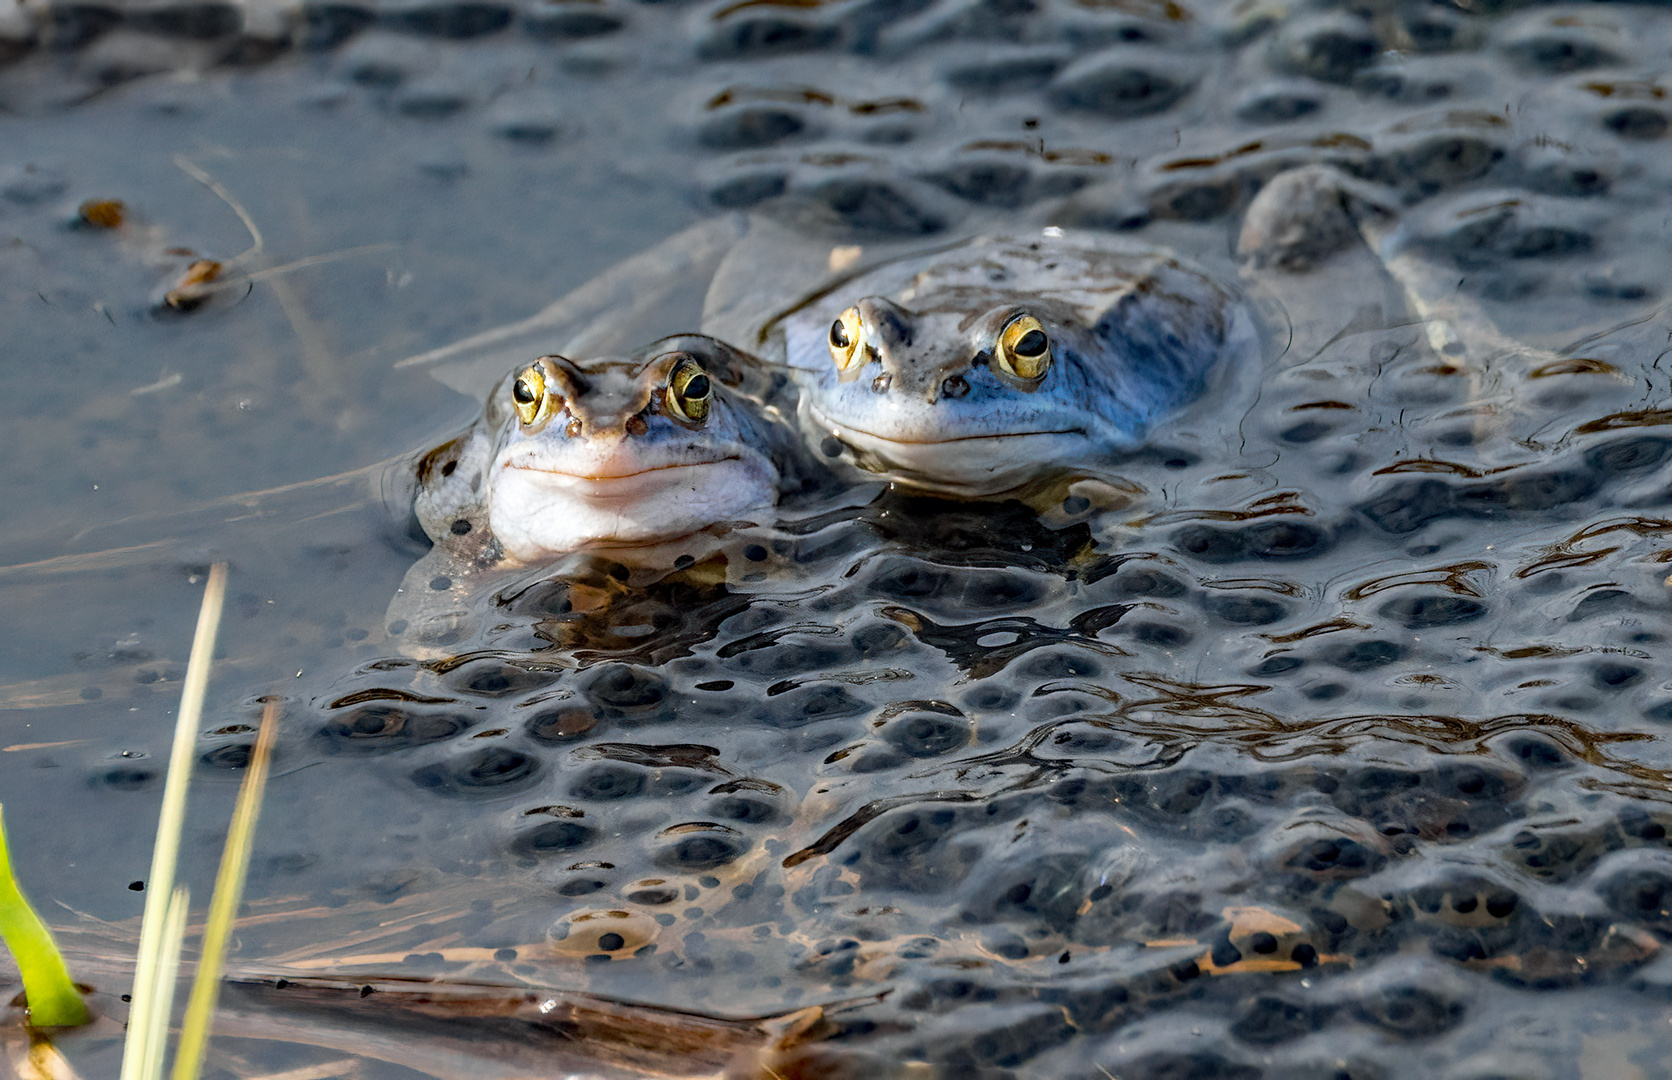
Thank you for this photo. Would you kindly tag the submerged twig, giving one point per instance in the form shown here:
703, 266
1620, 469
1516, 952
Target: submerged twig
194, 291
204, 280
256, 241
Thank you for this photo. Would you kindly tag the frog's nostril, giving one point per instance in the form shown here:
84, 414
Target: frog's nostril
636, 426
882, 382
573, 429
955, 387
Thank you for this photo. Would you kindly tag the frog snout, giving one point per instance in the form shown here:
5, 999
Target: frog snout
887, 324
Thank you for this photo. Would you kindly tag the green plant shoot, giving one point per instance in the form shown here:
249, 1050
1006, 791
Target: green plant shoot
53, 999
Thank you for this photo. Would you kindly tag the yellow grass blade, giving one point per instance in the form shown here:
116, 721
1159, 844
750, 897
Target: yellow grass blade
223, 906
160, 990
153, 990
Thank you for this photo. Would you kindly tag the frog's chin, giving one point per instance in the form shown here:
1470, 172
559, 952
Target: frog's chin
538, 514
971, 466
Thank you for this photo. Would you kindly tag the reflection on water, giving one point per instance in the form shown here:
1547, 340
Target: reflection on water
1323, 743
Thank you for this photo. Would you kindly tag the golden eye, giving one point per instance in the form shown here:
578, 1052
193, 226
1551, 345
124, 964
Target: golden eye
1024, 351
528, 394
690, 392
844, 338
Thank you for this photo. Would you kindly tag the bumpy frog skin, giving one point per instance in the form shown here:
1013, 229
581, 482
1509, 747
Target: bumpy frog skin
617, 452
972, 370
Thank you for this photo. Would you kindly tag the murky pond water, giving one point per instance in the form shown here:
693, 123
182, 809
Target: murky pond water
1329, 749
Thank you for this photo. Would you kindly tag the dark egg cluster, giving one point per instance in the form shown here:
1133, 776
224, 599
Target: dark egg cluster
1064, 796
925, 114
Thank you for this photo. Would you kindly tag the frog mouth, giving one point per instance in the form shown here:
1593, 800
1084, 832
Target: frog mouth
624, 483
860, 437
963, 466
541, 508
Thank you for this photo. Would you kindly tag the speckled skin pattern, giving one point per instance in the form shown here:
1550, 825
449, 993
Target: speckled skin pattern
1134, 335
611, 466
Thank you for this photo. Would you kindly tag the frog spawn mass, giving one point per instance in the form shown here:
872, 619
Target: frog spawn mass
975, 774
977, 771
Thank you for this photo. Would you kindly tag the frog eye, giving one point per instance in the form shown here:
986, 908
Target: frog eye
528, 394
1024, 351
690, 392
844, 338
